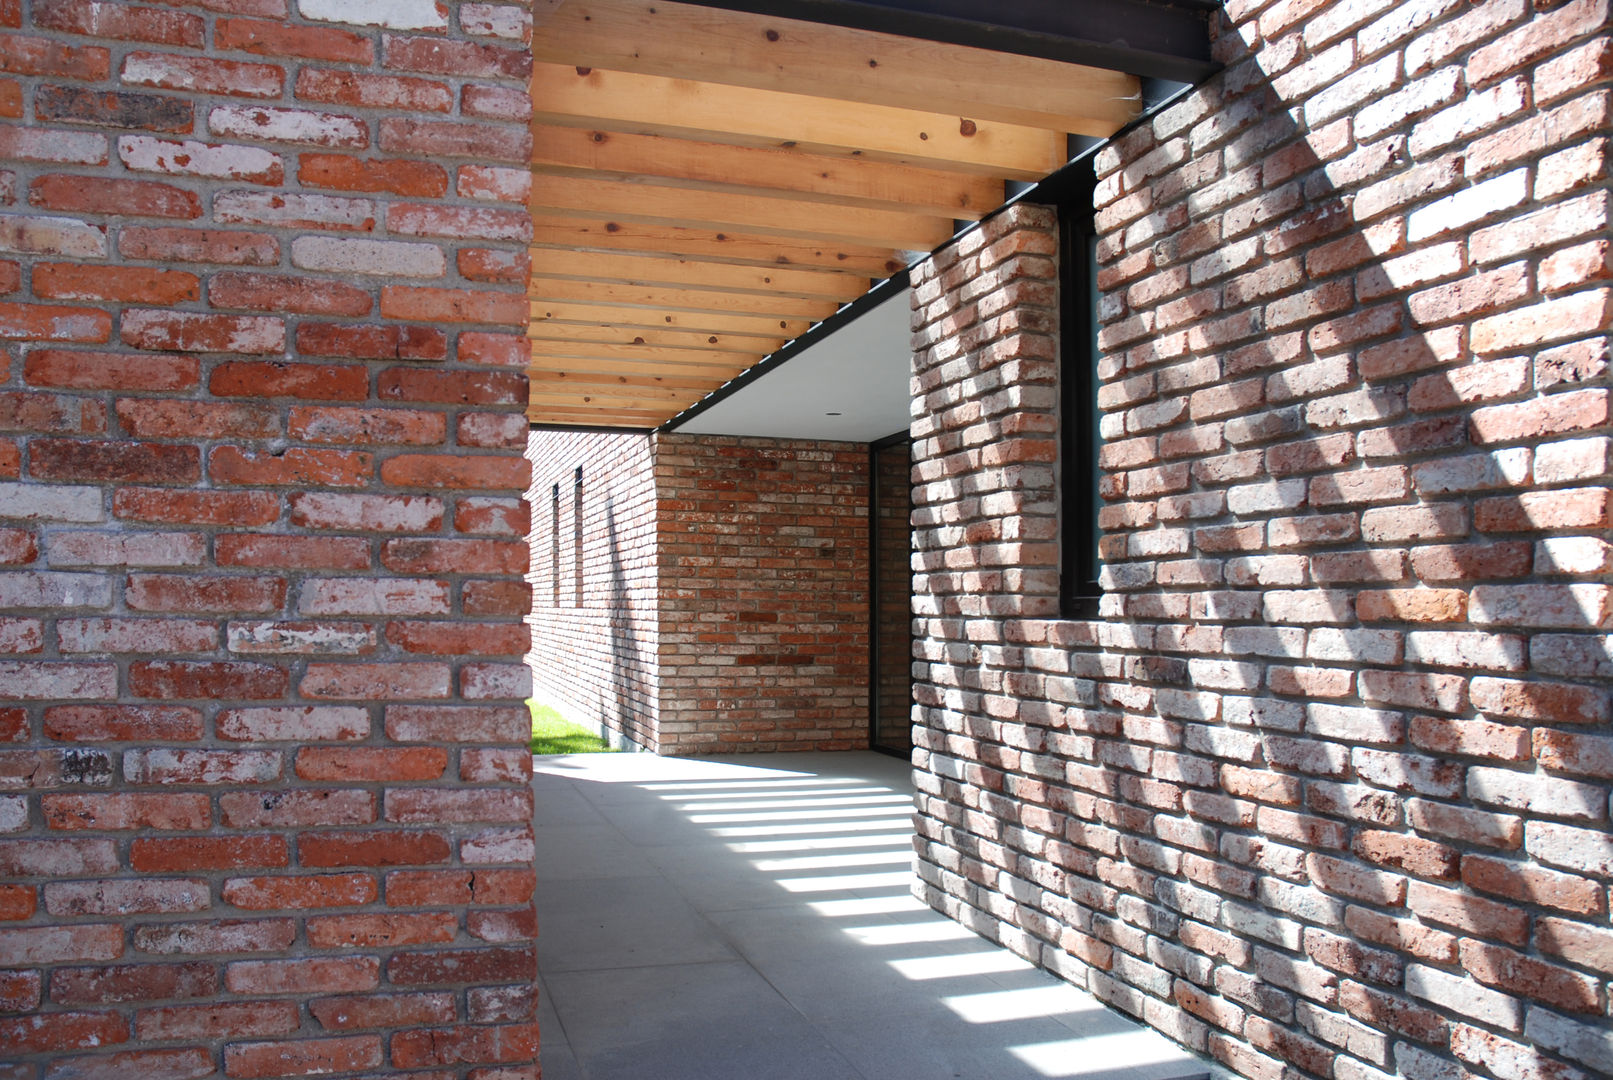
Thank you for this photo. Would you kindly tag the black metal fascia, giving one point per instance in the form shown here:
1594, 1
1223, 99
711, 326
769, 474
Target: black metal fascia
815, 333
1165, 39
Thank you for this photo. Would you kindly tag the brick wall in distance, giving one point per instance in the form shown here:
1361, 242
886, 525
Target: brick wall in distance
595, 623
263, 796
1325, 790
764, 594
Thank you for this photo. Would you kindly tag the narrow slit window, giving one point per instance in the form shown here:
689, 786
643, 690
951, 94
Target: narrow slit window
576, 537
554, 546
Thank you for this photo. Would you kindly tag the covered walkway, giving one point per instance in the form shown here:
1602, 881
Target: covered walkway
750, 918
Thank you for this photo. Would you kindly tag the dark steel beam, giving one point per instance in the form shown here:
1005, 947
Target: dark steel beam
1162, 39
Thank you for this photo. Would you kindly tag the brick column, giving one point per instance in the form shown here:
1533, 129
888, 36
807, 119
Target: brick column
261, 419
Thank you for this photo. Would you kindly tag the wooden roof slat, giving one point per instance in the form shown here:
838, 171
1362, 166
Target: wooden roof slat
662, 318
674, 341
748, 249
651, 104
656, 37
605, 292
575, 353
667, 402
640, 270
849, 181
604, 384
636, 367
760, 213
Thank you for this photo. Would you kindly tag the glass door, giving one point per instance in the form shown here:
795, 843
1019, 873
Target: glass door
891, 539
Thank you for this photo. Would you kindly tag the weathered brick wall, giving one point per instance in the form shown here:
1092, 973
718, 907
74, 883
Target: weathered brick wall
595, 622
261, 393
1325, 789
764, 594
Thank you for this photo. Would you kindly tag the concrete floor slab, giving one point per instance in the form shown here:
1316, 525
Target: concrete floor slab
752, 916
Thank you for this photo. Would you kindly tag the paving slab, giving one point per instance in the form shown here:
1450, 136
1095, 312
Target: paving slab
752, 916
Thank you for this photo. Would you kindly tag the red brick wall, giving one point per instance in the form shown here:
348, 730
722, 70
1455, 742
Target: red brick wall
764, 594
261, 393
595, 661
1324, 792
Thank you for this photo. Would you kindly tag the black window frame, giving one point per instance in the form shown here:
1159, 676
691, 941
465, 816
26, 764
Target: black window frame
1078, 423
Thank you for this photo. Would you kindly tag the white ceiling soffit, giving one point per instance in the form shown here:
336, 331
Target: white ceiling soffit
852, 385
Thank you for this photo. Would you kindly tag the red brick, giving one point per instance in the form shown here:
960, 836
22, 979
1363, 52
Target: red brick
54, 322
419, 179
223, 936
360, 1011
295, 467
285, 39
453, 387
360, 426
282, 292
132, 982
373, 91
53, 1033
371, 763
370, 342
379, 931
288, 976
302, 1057
459, 639
387, 848
308, 891
278, 378
225, 246
136, 198
202, 74
207, 680
126, 811
18, 902
183, 331
72, 369
41, 56
375, 682
483, 965
292, 552
104, 108
430, 304
477, 1044
196, 507
19, 992
228, 1019
122, 723
118, 462
167, 855
494, 350
1529, 977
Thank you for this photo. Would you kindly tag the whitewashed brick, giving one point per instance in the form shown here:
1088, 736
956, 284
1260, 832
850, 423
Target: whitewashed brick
392, 14
383, 258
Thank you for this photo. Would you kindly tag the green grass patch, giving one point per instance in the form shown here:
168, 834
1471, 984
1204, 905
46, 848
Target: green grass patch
553, 734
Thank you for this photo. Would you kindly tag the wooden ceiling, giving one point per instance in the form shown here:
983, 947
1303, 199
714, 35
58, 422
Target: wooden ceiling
709, 183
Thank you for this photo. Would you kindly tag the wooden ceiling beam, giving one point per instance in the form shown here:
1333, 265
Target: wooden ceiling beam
543, 290
557, 335
599, 233
664, 205
848, 181
663, 318
688, 273
656, 37
650, 104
